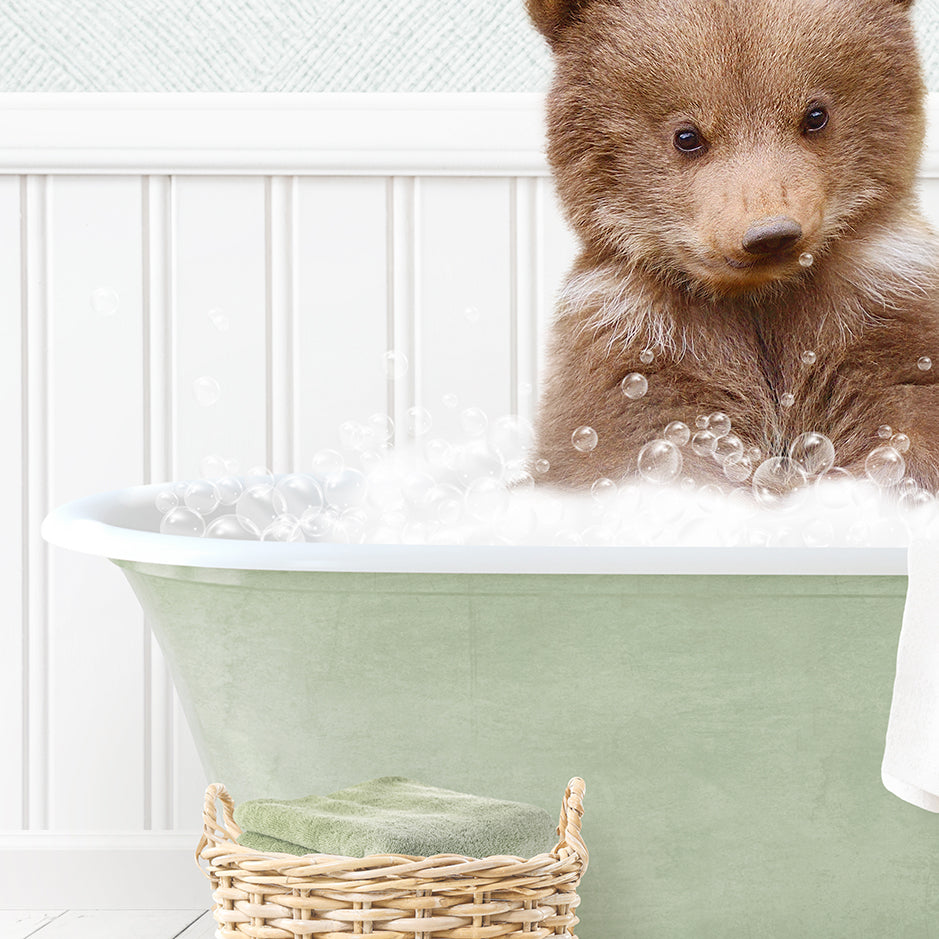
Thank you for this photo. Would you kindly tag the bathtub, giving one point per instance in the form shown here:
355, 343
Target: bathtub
727, 707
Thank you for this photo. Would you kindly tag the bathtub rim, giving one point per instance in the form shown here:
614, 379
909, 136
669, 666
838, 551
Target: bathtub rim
93, 525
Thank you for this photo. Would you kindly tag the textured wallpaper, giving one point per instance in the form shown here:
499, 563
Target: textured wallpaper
290, 45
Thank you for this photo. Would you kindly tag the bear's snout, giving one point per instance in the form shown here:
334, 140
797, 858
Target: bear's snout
771, 235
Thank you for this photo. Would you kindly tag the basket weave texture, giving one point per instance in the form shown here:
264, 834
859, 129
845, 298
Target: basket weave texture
391, 896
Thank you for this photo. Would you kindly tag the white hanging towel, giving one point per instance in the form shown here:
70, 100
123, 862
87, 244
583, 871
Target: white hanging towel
911, 757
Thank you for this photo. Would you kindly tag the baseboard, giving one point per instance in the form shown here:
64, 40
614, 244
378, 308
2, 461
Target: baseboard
121, 871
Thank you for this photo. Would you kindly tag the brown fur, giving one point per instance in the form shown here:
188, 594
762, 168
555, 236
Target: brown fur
662, 264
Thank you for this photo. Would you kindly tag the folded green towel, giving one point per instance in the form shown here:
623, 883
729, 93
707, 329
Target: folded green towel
394, 815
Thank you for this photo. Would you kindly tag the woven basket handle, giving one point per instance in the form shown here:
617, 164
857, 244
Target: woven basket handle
572, 811
211, 832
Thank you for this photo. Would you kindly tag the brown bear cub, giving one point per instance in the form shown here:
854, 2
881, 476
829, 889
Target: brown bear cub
740, 174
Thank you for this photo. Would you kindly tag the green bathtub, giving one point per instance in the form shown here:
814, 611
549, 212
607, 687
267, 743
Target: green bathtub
730, 726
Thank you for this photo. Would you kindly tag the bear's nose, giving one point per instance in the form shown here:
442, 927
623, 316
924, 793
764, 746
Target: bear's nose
771, 235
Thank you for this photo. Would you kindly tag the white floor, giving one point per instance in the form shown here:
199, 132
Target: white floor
106, 924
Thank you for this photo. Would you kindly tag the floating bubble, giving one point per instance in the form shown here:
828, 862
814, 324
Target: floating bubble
232, 528
646, 356
603, 488
416, 486
704, 443
806, 259
218, 319
283, 528
542, 466
259, 505
718, 423
320, 527
814, 452
202, 497
787, 400
396, 364
659, 462
445, 503
701, 422
261, 474
809, 357
775, 479
677, 433
634, 385
105, 301
584, 439
900, 443
327, 462
474, 422
352, 435
737, 468
182, 521
345, 489
885, 466
212, 467
207, 390
382, 426
301, 494
419, 421
450, 400
439, 452
729, 447
924, 364
755, 455
471, 314
885, 431
229, 488
166, 499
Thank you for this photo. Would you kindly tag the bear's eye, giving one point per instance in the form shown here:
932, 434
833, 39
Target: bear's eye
815, 119
689, 140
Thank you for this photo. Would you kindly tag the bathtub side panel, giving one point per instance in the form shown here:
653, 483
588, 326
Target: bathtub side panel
730, 729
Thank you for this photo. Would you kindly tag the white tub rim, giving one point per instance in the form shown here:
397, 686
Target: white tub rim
103, 525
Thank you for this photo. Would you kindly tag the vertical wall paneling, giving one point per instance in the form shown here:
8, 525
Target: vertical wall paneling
403, 298
527, 276
157, 263
12, 481
95, 420
465, 315
342, 302
37, 195
220, 354
281, 267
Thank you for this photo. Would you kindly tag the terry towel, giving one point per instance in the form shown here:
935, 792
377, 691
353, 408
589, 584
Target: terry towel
394, 815
911, 756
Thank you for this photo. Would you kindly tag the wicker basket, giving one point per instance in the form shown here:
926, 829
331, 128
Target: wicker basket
389, 896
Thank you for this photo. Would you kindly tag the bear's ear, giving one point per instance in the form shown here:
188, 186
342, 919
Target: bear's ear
551, 16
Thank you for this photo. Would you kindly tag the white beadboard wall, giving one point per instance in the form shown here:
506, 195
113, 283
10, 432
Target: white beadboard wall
321, 232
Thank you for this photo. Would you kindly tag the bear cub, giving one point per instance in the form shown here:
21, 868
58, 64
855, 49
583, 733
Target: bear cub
741, 176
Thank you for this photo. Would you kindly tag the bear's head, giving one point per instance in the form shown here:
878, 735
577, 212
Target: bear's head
714, 142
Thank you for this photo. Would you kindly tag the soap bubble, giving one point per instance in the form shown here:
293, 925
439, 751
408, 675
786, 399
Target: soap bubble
775, 479
885, 466
259, 505
728, 447
718, 424
814, 452
218, 319
450, 400
542, 466
212, 467
737, 467
471, 314
677, 433
634, 385
182, 521
900, 443
419, 421
809, 357
416, 486
885, 431
104, 301
232, 528
396, 364
283, 528
924, 364
353, 435
319, 527
166, 499
327, 462
260, 474
445, 503
701, 421
439, 452
646, 356
301, 494
584, 439
202, 497
806, 259
207, 390
345, 489
787, 400
755, 455
659, 462
229, 488
474, 422
382, 426
603, 488
704, 443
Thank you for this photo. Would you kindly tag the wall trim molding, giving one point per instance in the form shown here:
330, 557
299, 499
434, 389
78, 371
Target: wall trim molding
273, 134
48, 870
289, 134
